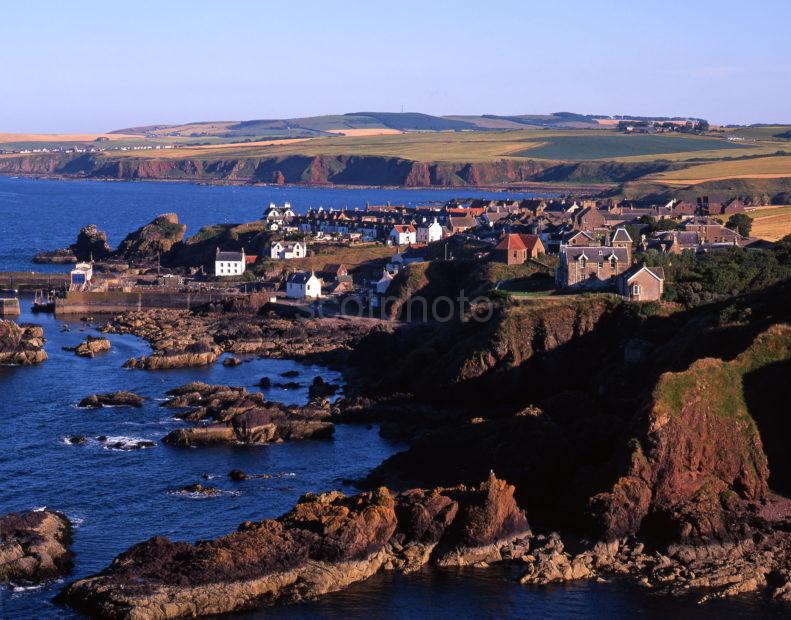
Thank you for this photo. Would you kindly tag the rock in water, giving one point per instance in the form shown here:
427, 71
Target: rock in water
91, 346
91, 244
34, 546
153, 239
320, 389
243, 417
123, 398
325, 543
21, 344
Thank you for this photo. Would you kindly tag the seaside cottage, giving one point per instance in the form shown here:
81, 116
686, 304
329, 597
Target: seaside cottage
229, 263
515, 249
429, 233
403, 234
303, 285
383, 283
285, 250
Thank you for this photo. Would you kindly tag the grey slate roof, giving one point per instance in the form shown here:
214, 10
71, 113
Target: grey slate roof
229, 256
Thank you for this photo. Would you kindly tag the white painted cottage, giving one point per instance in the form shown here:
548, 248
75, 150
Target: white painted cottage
283, 250
429, 233
303, 285
229, 263
403, 234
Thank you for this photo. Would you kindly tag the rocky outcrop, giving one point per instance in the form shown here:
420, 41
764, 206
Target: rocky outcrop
92, 346
153, 239
182, 339
21, 344
698, 462
91, 244
325, 543
34, 546
238, 416
112, 399
61, 256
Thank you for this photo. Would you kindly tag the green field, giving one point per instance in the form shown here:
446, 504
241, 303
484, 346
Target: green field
599, 146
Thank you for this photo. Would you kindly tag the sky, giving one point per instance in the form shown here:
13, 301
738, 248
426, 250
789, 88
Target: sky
85, 66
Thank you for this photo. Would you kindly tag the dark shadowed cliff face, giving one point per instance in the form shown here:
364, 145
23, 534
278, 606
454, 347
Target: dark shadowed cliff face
607, 421
325, 170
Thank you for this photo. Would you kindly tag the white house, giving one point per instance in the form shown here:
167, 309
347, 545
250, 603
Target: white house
229, 263
403, 234
431, 232
383, 283
303, 285
278, 214
282, 250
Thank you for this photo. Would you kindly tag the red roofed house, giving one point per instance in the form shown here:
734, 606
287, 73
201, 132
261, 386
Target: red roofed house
403, 234
515, 249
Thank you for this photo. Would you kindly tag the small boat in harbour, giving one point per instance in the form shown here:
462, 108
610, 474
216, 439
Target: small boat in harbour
43, 302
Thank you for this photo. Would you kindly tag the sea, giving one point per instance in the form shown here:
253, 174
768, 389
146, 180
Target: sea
117, 496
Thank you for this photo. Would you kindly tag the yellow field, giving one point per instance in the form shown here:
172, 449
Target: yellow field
384, 131
771, 222
759, 168
773, 227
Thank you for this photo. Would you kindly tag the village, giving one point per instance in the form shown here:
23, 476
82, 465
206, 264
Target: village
595, 246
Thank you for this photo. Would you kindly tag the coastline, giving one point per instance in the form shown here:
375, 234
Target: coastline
527, 187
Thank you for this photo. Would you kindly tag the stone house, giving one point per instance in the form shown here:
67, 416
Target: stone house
515, 249
642, 283
594, 267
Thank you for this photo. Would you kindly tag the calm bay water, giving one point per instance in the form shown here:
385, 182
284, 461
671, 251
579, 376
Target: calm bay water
45, 214
117, 498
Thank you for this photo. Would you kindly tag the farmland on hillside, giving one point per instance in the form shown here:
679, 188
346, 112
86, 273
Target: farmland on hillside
756, 168
581, 147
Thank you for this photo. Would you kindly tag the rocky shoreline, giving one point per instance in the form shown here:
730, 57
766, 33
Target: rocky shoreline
21, 344
325, 543
234, 415
34, 546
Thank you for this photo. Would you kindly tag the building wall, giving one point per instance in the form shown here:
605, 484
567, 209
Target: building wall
228, 268
649, 288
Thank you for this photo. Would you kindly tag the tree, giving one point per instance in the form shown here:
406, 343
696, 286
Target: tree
741, 223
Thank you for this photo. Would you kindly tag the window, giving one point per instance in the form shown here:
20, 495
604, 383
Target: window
613, 263
635, 289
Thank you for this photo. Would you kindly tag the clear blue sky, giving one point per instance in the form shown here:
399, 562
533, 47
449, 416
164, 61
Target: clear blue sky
96, 66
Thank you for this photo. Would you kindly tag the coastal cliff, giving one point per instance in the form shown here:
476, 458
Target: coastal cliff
327, 170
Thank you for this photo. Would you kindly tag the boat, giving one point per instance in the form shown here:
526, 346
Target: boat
43, 302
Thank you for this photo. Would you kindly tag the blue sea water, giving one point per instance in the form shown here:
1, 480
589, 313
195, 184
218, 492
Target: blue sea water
117, 498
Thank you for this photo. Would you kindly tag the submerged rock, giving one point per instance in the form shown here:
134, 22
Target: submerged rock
34, 546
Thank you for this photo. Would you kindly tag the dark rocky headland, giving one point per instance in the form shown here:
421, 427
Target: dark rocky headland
649, 445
